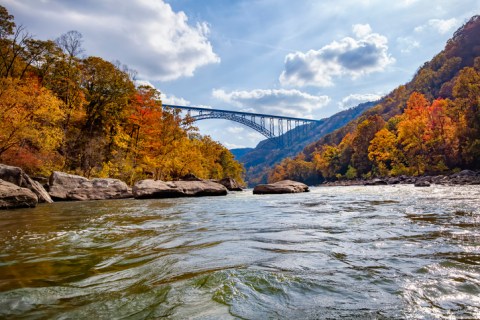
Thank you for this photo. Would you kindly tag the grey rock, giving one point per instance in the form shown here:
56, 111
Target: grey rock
61, 183
13, 196
64, 186
19, 178
190, 177
230, 184
148, 189
284, 186
394, 180
375, 182
465, 173
100, 189
422, 183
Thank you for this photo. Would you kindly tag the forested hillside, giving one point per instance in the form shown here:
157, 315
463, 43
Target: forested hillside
427, 126
60, 110
259, 161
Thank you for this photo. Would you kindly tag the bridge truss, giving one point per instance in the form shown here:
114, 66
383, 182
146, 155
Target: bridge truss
280, 129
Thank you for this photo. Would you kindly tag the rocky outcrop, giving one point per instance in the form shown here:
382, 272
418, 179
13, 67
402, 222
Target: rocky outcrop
61, 183
13, 196
19, 178
465, 177
230, 184
284, 186
148, 189
100, 189
375, 182
422, 183
64, 186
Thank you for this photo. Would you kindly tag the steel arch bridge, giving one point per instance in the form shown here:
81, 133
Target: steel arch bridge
278, 128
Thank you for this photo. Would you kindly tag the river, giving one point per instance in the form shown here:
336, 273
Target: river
378, 252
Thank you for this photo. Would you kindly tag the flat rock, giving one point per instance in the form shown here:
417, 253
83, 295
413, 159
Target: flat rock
64, 187
151, 189
19, 178
13, 196
100, 189
284, 186
61, 183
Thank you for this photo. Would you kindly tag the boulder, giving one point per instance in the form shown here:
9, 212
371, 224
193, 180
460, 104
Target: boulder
466, 173
13, 196
394, 180
284, 186
60, 184
375, 182
422, 183
100, 189
151, 189
200, 188
230, 184
19, 178
64, 186
190, 177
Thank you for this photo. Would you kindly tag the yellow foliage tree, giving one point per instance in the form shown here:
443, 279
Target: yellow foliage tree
30, 132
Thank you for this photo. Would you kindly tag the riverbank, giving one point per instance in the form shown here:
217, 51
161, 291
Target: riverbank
18, 190
464, 177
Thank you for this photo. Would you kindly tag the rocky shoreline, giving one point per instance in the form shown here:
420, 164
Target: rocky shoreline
18, 190
464, 177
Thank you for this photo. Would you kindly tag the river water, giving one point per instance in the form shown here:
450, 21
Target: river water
379, 252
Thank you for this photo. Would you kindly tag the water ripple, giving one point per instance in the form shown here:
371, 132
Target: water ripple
382, 252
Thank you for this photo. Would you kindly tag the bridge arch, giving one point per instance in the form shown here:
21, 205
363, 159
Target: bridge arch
270, 126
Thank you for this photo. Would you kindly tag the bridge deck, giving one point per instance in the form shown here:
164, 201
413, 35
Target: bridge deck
240, 113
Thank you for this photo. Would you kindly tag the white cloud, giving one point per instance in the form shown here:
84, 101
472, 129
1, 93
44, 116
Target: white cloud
361, 30
235, 130
407, 44
407, 3
439, 25
146, 83
171, 99
147, 35
355, 99
166, 98
293, 103
367, 53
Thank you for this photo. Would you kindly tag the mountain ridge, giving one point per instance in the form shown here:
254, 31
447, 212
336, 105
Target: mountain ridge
266, 154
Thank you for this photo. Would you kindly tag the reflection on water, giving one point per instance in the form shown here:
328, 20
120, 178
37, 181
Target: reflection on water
336, 252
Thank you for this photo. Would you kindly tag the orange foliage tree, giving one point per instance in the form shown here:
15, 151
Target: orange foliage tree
30, 132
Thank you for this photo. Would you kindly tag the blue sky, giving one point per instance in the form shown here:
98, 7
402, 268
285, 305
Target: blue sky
301, 58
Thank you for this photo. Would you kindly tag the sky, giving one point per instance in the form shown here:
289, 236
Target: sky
304, 58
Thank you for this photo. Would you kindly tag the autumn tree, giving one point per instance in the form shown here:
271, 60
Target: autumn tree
297, 169
467, 107
30, 132
383, 152
58, 109
364, 133
328, 161
108, 92
411, 132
